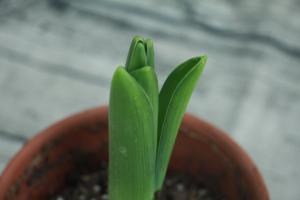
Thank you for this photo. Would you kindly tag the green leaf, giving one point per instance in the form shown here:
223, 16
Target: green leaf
137, 57
173, 100
150, 52
147, 79
131, 140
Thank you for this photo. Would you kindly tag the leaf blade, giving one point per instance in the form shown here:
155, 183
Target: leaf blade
173, 99
150, 52
131, 142
147, 79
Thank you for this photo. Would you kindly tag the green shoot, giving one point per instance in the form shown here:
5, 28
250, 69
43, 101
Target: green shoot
143, 122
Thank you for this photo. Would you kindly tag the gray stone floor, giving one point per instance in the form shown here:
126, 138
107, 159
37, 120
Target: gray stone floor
57, 58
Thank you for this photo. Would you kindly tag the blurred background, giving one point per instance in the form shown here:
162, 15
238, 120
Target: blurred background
57, 58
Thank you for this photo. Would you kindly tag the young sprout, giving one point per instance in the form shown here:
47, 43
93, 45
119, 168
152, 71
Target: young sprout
143, 122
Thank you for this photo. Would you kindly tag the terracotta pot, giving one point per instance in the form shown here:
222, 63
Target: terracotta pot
41, 167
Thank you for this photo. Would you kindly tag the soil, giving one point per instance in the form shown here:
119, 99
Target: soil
93, 186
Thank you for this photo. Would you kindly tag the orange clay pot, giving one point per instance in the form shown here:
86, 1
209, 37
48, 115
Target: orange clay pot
40, 169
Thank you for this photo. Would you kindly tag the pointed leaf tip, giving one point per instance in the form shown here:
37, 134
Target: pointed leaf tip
137, 57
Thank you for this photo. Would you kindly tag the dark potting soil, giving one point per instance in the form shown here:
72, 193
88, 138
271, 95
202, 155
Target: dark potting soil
94, 187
